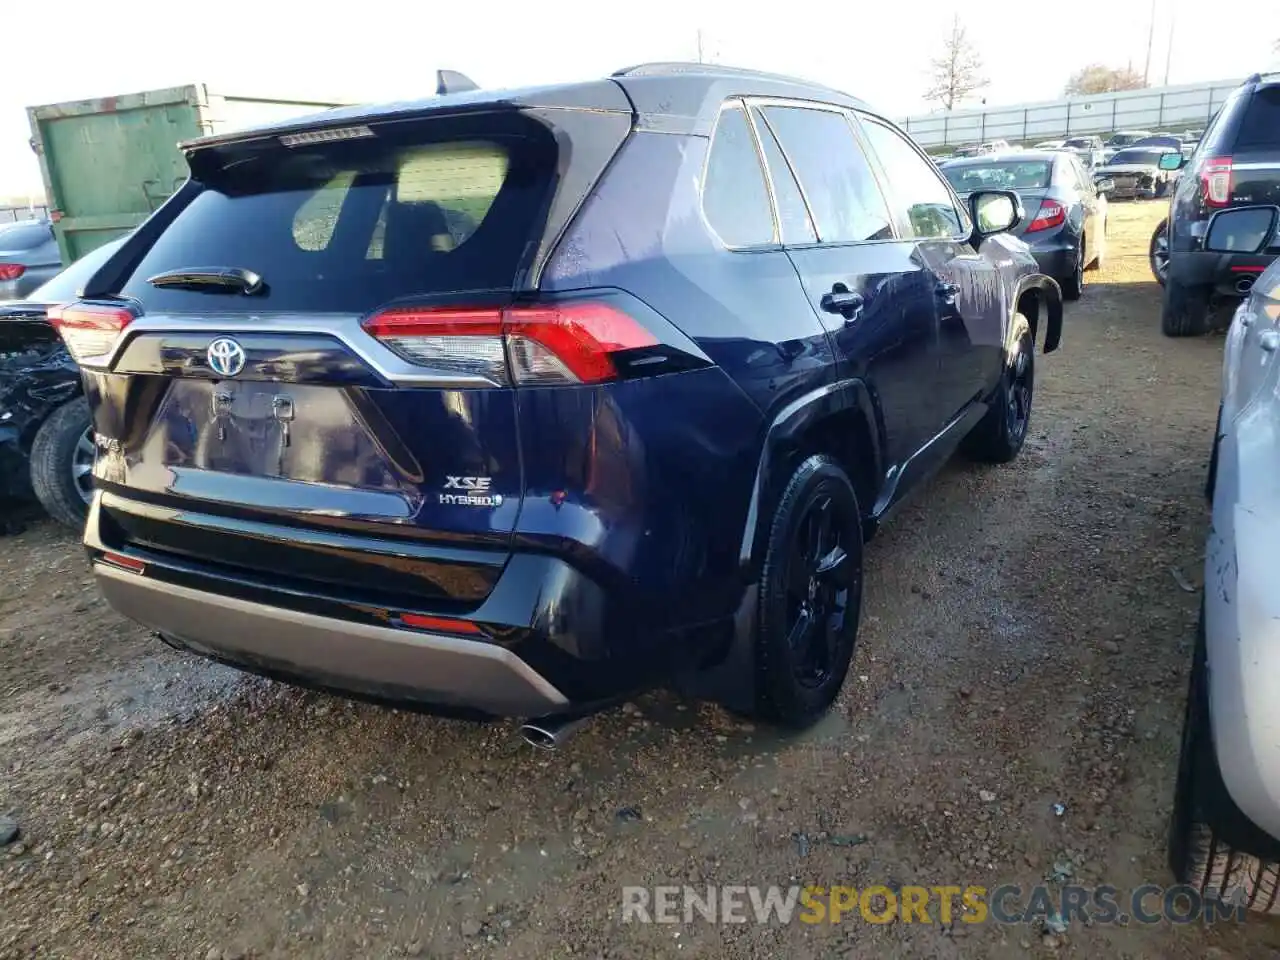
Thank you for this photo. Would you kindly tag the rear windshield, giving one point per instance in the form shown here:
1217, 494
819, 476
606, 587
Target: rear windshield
1009, 175
24, 236
417, 209
1260, 125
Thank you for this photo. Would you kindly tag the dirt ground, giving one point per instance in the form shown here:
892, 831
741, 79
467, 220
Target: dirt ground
1025, 643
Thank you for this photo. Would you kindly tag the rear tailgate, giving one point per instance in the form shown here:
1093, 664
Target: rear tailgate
269, 431
1255, 156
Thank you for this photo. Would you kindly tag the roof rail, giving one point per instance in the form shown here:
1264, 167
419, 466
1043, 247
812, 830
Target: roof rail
664, 68
451, 81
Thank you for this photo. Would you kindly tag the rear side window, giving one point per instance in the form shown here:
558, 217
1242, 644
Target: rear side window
419, 209
24, 236
735, 198
833, 171
1260, 124
797, 225
916, 184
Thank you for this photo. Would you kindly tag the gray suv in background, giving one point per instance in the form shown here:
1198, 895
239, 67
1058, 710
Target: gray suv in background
28, 257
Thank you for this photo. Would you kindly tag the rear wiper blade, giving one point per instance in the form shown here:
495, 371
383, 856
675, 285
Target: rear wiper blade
211, 279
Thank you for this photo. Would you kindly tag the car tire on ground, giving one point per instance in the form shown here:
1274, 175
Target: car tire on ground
1198, 855
810, 596
1186, 310
1073, 284
1000, 434
1158, 252
58, 462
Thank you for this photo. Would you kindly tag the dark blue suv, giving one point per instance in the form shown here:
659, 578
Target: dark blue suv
519, 402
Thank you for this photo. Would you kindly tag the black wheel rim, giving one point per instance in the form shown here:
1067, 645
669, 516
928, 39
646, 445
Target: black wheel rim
1160, 255
822, 591
82, 465
1021, 378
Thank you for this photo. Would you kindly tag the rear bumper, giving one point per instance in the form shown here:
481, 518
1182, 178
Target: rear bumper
1055, 256
377, 661
546, 638
1227, 274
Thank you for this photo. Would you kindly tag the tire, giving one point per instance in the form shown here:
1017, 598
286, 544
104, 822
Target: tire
1158, 252
56, 453
1186, 310
999, 436
799, 670
1073, 285
1198, 855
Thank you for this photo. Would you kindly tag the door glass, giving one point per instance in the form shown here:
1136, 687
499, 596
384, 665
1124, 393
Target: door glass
834, 174
734, 198
797, 226
916, 184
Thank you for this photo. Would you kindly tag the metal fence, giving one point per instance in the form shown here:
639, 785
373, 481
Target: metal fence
33, 212
1173, 108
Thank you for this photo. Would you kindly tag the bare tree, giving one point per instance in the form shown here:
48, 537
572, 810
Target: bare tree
1096, 78
958, 72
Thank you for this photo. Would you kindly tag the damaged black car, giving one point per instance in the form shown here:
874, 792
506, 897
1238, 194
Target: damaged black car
46, 437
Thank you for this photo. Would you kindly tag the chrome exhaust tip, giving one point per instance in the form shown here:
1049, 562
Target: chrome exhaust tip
550, 733
1244, 284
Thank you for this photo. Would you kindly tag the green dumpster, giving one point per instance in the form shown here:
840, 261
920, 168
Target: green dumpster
108, 163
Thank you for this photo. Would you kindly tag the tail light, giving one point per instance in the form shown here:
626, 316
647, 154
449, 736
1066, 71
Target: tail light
1051, 214
533, 345
11, 271
1215, 181
89, 329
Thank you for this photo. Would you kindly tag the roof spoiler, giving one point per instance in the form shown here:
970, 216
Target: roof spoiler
451, 81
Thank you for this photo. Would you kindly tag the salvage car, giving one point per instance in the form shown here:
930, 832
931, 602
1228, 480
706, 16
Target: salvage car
1225, 838
1067, 226
1141, 173
1236, 165
46, 438
28, 257
630, 424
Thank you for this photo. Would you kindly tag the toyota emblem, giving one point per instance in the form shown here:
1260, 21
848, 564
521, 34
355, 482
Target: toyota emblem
226, 357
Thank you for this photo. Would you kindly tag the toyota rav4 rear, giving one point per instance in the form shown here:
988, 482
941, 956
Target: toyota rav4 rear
343, 440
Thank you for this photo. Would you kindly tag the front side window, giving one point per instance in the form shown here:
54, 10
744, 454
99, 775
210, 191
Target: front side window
916, 184
734, 197
833, 172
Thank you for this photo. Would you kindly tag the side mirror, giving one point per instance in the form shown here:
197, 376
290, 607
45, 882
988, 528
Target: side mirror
1243, 230
1172, 161
994, 211
1104, 184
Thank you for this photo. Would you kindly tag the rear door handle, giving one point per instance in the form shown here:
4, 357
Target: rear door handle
842, 301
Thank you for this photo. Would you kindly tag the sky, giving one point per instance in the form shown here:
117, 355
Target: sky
390, 49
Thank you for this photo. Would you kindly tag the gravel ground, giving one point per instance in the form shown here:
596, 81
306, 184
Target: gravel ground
1025, 642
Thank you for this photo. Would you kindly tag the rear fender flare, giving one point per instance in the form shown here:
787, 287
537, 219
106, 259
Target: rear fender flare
1050, 298
781, 439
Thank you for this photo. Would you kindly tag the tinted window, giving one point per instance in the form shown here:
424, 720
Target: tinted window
833, 172
24, 236
428, 208
1024, 175
66, 285
1260, 125
915, 182
735, 198
797, 226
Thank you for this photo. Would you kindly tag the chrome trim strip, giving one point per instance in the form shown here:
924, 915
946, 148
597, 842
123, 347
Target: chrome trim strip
343, 327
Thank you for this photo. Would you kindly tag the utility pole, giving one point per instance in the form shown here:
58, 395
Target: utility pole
1168, 57
1151, 38
700, 60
